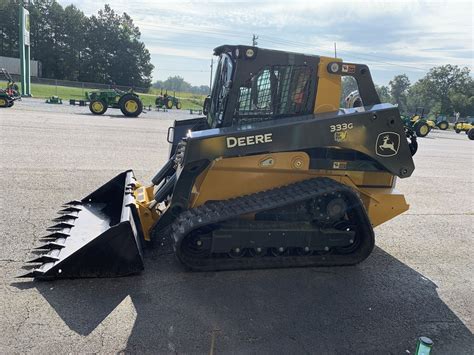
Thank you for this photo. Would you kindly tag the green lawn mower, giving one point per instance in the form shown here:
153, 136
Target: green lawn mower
11, 93
127, 101
55, 100
167, 101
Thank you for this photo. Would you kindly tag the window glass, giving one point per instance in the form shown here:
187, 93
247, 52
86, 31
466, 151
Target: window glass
274, 91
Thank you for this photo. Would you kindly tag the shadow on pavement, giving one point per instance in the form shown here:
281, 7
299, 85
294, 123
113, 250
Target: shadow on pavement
381, 306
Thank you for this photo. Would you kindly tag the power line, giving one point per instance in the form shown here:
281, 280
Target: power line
359, 56
194, 70
219, 33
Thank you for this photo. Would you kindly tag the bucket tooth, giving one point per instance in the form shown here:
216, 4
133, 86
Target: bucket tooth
51, 245
73, 203
59, 226
68, 210
34, 272
65, 218
54, 236
44, 259
47, 239
31, 274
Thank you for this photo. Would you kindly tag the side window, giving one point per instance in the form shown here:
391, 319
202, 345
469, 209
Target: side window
274, 91
256, 96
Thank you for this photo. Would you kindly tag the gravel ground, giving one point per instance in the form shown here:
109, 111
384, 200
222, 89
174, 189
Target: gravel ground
418, 281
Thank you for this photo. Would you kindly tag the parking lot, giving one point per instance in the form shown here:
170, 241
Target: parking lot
418, 282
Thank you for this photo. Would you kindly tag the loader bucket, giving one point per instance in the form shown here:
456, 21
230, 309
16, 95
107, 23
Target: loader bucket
98, 236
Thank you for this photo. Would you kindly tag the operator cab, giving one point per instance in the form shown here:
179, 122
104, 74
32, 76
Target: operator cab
253, 84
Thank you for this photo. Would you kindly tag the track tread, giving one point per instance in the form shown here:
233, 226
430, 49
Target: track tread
218, 211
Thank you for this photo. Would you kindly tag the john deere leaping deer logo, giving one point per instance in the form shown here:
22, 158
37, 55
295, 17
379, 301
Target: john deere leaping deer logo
387, 144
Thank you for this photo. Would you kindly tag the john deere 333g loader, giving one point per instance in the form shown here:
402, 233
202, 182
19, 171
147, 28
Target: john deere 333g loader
275, 175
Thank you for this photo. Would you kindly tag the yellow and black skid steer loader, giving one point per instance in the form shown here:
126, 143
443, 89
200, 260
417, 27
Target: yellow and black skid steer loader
274, 175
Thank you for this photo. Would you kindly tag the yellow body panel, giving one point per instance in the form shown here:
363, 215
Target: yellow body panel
383, 204
143, 197
463, 126
431, 123
329, 87
233, 177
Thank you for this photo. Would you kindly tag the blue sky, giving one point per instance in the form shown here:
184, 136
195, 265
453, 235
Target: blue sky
392, 37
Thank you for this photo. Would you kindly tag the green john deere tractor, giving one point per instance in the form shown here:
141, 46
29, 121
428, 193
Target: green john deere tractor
418, 123
168, 101
421, 125
127, 101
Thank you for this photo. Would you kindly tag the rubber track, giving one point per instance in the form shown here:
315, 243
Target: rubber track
219, 211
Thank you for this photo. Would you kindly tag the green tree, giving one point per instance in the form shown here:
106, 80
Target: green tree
74, 25
114, 52
447, 81
444, 90
9, 30
384, 93
398, 90
464, 104
105, 48
179, 84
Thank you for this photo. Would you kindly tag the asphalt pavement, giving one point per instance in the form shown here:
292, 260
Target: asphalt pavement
418, 282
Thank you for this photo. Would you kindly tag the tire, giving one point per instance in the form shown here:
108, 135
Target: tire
457, 131
4, 102
98, 107
130, 105
443, 125
169, 104
422, 129
470, 134
178, 105
11, 104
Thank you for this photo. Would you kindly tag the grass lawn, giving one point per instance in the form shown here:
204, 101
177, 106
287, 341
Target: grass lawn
188, 100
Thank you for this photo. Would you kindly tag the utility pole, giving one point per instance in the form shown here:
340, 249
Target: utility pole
210, 81
254, 40
335, 51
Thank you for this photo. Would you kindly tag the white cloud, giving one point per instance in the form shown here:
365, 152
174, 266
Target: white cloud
389, 35
179, 52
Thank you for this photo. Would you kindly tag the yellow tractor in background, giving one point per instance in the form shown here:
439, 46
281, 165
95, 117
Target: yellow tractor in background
274, 175
465, 126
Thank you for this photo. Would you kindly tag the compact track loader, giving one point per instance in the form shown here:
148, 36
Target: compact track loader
275, 175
